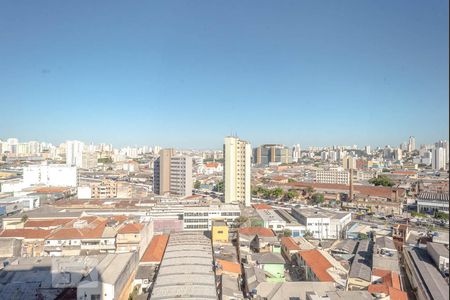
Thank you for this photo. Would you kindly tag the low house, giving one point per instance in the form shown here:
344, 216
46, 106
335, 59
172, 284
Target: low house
271, 263
360, 276
318, 265
289, 247
257, 239
386, 285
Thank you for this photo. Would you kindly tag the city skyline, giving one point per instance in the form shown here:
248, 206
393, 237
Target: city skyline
181, 74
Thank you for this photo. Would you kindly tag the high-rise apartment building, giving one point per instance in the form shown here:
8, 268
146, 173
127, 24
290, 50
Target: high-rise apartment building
439, 159
411, 144
237, 170
398, 154
272, 154
74, 153
349, 163
181, 175
296, 153
172, 174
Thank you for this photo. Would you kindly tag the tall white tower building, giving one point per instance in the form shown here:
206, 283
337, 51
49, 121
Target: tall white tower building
74, 153
296, 153
411, 144
237, 170
439, 159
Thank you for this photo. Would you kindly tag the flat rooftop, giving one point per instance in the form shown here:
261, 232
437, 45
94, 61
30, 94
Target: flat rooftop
321, 213
186, 271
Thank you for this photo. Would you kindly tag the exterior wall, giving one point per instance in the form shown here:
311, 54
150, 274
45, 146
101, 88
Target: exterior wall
51, 175
237, 171
220, 234
356, 284
181, 176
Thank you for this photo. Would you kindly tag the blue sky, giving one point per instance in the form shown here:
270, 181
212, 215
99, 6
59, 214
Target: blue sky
187, 73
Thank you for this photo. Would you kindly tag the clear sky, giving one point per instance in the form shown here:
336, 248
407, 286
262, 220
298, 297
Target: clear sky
187, 73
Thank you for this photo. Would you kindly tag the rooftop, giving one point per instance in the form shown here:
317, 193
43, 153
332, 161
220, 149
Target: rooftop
155, 250
318, 264
362, 263
260, 231
309, 212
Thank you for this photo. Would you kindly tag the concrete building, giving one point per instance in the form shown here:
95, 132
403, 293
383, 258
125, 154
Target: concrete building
89, 160
111, 279
360, 276
237, 171
50, 175
296, 153
172, 174
323, 224
424, 277
411, 144
271, 154
349, 163
186, 269
432, 202
271, 219
74, 153
439, 159
181, 176
201, 217
333, 176
440, 256
219, 232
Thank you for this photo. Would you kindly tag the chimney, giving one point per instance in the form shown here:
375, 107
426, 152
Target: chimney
351, 192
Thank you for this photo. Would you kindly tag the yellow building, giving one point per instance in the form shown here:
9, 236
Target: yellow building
219, 232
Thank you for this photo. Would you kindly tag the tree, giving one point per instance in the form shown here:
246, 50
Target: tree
441, 215
309, 189
24, 218
240, 220
197, 184
256, 223
362, 236
308, 234
219, 187
290, 180
382, 180
317, 199
105, 160
276, 193
291, 194
287, 233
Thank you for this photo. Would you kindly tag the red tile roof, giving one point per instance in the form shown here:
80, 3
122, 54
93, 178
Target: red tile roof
261, 206
94, 229
318, 264
26, 233
229, 266
290, 244
131, 228
260, 231
155, 250
46, 223
212, 164
390, 284
45, 190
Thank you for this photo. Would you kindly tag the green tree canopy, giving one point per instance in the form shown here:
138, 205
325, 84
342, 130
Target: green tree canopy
317, 199
197, 184
382, 180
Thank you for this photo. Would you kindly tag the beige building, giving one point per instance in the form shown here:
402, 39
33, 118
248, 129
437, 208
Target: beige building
172, 174
349, 163
237, 170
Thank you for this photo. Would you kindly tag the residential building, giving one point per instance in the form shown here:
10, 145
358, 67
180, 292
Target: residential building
237, 171
172, 174
349, 163
322, 223
411, 144
360, 276
89, 160
181, 176
318, 265
271, 219
111, 279
439, 159
219, 232
161, 180
134, 237
50, 175
296, 153
272, 154
202, 217
74, 153
333, 176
